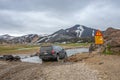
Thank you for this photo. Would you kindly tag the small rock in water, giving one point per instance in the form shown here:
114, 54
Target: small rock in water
16, 58
1, 58
8, 57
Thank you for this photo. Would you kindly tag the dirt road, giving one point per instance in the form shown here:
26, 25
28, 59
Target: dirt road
107, 65
93, 67
46, 71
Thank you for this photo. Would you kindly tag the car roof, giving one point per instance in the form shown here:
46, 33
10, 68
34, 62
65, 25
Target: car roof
49, 45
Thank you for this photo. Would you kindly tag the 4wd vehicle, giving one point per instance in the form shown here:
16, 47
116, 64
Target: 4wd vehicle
52, 52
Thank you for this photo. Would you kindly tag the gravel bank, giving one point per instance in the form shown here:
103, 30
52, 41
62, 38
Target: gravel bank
46, 71
77, 71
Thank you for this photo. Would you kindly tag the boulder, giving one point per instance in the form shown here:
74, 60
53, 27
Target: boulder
10, 58
1, 58
17, 58
112, 39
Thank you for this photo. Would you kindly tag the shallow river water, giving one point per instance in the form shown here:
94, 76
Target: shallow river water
36, 59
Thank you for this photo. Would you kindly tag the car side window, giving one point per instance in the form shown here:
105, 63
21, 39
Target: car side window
60, 48
54, 47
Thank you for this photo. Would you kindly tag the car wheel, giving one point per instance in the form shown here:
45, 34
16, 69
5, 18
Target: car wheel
65, 56
44, 60
58, 58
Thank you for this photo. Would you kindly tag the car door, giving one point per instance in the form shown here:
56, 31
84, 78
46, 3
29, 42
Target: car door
57, 51
62, 52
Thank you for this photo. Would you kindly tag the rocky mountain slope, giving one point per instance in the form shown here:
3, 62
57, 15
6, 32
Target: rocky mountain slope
77, 31
30, 38
6, 37
112, 39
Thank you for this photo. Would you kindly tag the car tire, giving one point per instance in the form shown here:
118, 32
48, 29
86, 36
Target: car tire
58, 58
65, 57
43, 60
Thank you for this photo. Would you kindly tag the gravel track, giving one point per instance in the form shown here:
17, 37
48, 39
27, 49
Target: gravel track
46, 71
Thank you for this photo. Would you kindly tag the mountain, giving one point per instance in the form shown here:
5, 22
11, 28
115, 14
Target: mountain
30, 38
76, 31
6, 37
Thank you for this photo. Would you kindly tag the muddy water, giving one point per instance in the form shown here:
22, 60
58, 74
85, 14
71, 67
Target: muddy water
77, 50
35, 59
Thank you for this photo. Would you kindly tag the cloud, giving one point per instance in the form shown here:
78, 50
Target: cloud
47, 16
43, 5
29, 21
99, 16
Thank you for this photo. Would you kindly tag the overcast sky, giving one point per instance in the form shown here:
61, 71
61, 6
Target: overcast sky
19, 17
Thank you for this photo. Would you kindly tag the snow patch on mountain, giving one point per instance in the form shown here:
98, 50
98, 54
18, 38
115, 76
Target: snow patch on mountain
67, 30
93, 33
79, 31
41, 39
50, 36
54, 35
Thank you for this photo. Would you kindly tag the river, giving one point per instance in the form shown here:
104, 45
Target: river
36, 59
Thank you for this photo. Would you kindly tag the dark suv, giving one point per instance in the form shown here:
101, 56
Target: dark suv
52, 52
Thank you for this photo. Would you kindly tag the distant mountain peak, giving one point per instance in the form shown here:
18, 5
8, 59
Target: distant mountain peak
76, 31
77, 25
